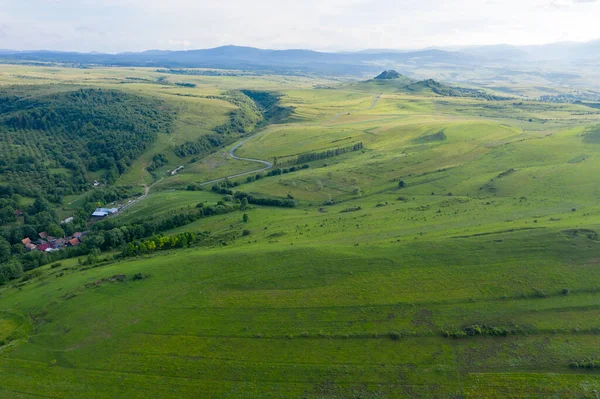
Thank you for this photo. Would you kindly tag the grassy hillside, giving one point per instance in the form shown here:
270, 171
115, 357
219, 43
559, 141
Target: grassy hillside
453, 256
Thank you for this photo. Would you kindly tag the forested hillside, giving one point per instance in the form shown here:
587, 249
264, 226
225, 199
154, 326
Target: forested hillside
50, 141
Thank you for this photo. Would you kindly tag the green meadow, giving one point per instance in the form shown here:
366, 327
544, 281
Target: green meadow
456, 255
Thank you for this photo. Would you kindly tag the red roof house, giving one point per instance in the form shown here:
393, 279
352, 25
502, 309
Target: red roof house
43, 247
26, 241
74, 242
43, 235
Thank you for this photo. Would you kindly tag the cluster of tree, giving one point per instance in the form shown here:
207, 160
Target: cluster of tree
480, 330
269, 104
158, 243
40, 216
158, 160
587, 363
202, 145
266, 201
183, 84
571, 97
242, 120
37, 217
50, 138
111, 233
315, 156
455, 91
280, 171
225, 189
10, 270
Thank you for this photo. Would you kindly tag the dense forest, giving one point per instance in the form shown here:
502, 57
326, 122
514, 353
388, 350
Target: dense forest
242, 120
50, 141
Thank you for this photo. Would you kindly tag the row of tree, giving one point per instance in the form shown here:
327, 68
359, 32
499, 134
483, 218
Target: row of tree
158, 243
318, 155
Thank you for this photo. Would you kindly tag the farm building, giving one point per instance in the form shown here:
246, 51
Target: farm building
103, 212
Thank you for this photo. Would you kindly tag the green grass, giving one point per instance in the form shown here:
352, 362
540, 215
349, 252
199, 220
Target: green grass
343, 300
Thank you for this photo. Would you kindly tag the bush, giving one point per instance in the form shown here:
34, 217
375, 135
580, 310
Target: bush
55, 265
32, 274
394, 335
139, 276
478, 330
245, 233
587, 363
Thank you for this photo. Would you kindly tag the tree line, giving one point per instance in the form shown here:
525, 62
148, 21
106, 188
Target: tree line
318, 155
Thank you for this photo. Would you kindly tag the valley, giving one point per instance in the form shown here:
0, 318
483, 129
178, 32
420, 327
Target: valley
325, 238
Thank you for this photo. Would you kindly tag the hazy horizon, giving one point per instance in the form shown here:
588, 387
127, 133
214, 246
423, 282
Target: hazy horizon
113, 26
433, 47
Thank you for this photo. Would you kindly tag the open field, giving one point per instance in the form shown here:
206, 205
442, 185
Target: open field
455, 255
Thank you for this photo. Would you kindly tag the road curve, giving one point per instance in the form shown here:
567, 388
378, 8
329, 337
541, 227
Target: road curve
268, 165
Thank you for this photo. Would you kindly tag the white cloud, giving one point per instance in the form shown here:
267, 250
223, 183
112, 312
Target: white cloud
131, 25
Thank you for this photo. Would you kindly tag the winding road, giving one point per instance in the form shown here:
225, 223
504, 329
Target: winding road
267, 165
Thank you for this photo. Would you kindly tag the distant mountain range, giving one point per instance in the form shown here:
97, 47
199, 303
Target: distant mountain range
247, 58
313, 62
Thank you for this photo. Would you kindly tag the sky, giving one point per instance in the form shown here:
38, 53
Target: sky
327, 25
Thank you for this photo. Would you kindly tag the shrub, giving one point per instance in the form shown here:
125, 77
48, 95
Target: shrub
586, 363
478, 330
139, 276
245, 233
394, 335
55, 265
32, 274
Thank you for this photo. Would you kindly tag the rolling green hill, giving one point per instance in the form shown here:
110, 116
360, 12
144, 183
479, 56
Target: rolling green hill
453, 254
